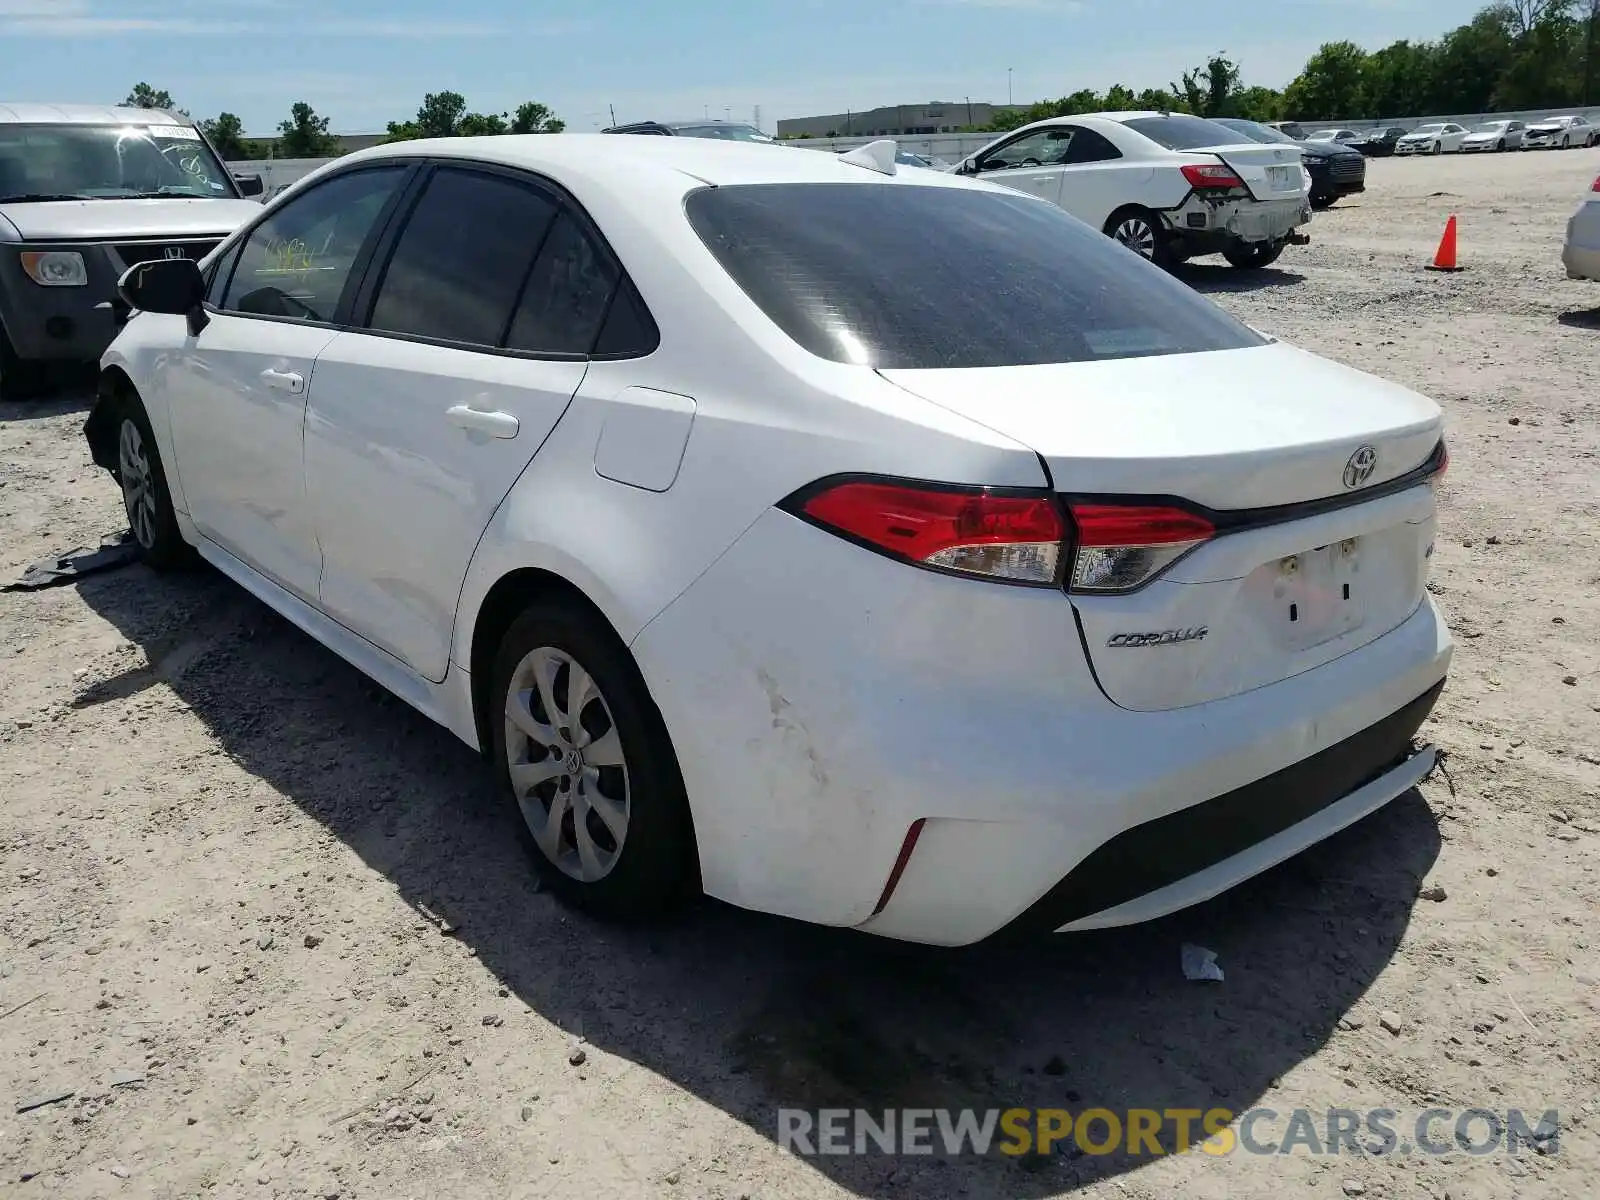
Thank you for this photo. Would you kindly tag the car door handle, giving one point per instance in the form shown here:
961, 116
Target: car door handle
495, 424
284, 381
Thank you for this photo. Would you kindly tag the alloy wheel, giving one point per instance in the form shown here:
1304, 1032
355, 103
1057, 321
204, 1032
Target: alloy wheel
567, 768
1136, 234
138, 484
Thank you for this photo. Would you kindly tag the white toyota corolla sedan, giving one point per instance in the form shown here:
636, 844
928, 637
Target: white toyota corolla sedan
885, 550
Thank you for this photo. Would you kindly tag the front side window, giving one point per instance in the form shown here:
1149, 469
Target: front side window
461, 260
297, 262
897, 275
1043, 148
108, 162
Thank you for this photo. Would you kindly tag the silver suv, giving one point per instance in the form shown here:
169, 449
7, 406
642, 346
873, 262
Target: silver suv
85, 193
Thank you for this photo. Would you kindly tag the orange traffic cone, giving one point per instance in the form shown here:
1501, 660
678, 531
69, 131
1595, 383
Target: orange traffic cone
1445, 258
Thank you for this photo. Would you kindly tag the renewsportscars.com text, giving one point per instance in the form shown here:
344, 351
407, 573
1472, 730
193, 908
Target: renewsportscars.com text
1150, 1131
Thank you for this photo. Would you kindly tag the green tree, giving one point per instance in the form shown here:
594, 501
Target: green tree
1211, 90
1330, 86
1470, 62
1399, 79
145, 96
441, 114
305, 134
533, 117
226, 133
482, 125
1121, 99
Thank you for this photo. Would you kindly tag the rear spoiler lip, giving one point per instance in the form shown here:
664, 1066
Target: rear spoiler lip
1237, 520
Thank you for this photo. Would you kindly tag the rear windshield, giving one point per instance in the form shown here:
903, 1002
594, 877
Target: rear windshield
904, 276
1178, 132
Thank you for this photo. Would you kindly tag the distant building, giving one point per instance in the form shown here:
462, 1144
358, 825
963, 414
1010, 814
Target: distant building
896, 120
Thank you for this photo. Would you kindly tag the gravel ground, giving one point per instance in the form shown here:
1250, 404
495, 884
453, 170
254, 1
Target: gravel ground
265, 932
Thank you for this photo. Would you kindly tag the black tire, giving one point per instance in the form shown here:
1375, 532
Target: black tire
1438, 147
1252, 256
654, 866
148, 502
1154, 245
1500, 146
1323, 201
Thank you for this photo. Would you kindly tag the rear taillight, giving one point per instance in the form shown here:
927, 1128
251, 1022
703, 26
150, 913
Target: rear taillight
1211, 175
1123, 547
991, 533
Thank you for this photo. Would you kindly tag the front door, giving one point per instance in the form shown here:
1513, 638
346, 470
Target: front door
479, 333
237, 393
1030, 162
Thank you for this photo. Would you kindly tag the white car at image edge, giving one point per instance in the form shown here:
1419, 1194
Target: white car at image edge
1581, 252
1559, 133
1169, 186
879, 548
1436, 137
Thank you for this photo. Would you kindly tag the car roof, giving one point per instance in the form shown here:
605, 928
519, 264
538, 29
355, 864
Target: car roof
614, 162
87, 114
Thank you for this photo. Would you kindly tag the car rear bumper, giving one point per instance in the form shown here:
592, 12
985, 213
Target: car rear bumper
1581, 252
926, 757
1198, 852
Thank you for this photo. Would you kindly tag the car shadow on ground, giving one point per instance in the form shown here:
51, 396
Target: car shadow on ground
1219, 277
69, 392
751, 1013
1581, 318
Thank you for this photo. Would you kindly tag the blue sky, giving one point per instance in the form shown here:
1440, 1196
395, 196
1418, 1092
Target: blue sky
365, 62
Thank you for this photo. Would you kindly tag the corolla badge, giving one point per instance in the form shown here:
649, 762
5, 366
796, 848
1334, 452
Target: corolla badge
1361, 466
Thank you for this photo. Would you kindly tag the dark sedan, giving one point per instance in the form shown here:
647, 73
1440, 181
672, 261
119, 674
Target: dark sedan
1336, 170
1379, 143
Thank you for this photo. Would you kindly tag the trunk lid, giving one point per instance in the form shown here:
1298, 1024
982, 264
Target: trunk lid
1254, 435
1270, 172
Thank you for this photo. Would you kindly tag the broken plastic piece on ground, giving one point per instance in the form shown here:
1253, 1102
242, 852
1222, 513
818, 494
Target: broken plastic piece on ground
1200, 964
115, 551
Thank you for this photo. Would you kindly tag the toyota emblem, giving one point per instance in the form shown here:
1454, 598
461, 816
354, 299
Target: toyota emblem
1361, 466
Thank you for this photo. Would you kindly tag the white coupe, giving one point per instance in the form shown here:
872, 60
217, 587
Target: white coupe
880, 548
1166, 185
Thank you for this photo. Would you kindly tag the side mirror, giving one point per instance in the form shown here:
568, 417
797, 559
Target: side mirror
969, 166
250, 185
167, 285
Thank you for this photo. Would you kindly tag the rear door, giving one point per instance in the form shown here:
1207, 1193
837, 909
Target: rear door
477, 332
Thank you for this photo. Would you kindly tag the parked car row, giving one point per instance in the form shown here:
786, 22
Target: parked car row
1451, 137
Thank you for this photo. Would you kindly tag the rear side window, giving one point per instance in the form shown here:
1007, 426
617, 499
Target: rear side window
904, 276
461, 260
1179, 132
567, 294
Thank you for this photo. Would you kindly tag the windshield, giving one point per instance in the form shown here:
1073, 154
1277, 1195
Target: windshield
1256, 132
1490, 127
107, 162
1182, 132
1323, 135
906, 276
731, 133
1428, 128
